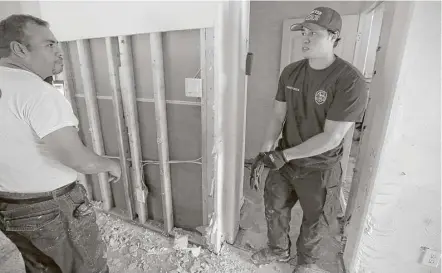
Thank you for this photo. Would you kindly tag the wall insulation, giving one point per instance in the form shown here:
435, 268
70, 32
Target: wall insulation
181, 59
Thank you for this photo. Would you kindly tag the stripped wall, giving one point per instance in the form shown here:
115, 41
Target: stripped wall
180, 24
181, 60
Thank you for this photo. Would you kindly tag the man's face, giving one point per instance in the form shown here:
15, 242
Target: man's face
317, 41
44, 56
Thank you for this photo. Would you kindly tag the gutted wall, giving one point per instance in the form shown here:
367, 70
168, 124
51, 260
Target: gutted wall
266, 20
398, 213
181, 52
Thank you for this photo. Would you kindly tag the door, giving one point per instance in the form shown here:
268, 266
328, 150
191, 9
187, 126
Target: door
292, 41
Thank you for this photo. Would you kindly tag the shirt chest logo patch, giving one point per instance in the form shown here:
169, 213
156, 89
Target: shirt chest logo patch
320, 97
293, 88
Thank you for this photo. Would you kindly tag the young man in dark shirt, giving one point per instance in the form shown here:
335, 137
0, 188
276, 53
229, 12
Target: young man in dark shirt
319, 98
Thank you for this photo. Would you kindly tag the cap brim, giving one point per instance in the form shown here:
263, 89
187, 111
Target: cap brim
297, 27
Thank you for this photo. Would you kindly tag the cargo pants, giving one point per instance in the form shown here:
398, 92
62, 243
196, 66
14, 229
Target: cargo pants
56, 235
318, 194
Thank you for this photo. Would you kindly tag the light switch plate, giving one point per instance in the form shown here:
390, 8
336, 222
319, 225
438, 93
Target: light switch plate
194, 87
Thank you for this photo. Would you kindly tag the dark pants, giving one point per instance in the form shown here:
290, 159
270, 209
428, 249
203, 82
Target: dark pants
318, 193
56, 232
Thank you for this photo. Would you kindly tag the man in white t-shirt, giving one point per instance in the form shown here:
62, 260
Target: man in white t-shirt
43, 209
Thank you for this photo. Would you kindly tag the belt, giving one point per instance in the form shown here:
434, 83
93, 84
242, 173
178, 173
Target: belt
32, 198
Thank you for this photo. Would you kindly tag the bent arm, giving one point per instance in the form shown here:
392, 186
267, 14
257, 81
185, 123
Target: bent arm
334, 132
66, 146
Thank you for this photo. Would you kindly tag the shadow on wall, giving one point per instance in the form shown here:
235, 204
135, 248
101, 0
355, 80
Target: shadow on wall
266, 20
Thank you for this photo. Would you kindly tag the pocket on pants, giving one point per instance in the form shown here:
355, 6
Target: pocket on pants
33, 221
82, 207
45, 229
332, 184
85, 235
331, 204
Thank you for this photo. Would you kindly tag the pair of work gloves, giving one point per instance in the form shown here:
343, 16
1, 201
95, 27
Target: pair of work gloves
273, 160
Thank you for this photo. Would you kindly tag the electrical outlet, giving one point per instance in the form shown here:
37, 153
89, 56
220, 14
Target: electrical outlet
193, 87
431, 258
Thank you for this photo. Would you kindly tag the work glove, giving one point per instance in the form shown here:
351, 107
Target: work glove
274, 160
256, 172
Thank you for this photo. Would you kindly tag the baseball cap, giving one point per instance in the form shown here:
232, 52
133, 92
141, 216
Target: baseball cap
322, 16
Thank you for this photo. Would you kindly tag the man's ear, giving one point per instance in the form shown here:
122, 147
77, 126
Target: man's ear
18, 49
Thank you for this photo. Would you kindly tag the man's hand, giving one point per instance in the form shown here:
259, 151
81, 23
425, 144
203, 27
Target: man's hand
114, 172
274, 160
256, 172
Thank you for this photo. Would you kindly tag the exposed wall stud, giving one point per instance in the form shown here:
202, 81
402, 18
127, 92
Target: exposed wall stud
69, 91
122, 134
159, 89
131, 114
93, 116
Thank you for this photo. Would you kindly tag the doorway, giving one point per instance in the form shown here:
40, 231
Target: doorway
360, 35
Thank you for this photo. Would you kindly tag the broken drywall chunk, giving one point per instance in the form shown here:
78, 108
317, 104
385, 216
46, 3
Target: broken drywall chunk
181, 242
196, 251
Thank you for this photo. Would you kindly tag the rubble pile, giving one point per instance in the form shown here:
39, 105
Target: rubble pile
133, 249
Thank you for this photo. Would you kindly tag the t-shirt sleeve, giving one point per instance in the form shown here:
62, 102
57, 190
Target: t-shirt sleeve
49, 111
350, 100
280, 94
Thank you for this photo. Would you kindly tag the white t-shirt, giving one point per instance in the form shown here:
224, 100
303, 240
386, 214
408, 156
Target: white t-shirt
30, 109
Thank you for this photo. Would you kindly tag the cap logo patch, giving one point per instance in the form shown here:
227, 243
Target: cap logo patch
314, 15
320, 97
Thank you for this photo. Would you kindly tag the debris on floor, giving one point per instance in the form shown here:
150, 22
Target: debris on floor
133, 249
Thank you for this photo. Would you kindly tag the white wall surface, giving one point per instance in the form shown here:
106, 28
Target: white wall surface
73, 20
9, 7
404, 210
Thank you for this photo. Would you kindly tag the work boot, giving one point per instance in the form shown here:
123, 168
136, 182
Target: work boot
267, 255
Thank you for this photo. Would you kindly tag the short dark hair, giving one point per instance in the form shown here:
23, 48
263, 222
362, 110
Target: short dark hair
12, 29
337, 40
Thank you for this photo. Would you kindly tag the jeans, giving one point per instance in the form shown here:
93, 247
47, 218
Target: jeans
318, 194
56, 232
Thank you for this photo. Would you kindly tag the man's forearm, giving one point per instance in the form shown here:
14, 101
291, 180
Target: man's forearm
315, 145
92, 163
272, 133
